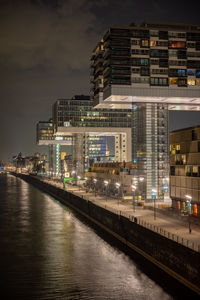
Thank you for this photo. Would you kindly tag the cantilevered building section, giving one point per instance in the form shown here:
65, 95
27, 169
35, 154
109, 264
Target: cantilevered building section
157, 63
149, 69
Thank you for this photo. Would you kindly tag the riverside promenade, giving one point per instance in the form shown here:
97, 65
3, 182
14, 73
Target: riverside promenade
159, 220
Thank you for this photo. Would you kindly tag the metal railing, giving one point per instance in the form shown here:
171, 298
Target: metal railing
159, 230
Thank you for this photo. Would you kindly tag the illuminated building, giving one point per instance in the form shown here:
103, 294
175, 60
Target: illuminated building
185, 168
89, 128
46, 135
76, 122
148, 69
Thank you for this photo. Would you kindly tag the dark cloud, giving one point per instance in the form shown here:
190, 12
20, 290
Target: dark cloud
45, 54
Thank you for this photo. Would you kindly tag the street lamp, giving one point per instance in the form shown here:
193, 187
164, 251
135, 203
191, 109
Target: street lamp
154, 201
141, 179
189, 199
106, 185
133, 190
118, 186
95, 181
78, 177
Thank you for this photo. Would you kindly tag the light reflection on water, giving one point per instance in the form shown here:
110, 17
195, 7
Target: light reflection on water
47, 253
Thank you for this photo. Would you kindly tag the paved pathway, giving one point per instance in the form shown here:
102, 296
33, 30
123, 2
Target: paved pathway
169, 226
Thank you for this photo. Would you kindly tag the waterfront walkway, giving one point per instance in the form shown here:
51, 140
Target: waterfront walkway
164, 223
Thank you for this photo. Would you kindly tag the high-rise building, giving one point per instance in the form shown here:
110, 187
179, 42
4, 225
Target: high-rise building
148, 69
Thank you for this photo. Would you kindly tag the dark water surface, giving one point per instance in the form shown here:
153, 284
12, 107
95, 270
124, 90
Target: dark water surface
47, 253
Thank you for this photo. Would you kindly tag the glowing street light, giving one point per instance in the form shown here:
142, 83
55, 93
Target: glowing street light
133, 190
78, 177
95, 181
118, 186
189, 199
154, 191
106, 185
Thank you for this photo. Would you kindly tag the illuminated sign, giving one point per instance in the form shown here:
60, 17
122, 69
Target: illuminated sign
59, 138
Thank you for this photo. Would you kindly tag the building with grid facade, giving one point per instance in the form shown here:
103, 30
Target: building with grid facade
148, 69
185, 169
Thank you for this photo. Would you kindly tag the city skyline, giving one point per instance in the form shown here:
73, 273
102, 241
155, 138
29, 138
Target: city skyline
50, 59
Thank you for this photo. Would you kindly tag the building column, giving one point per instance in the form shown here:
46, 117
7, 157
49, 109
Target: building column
150, 148
54, 159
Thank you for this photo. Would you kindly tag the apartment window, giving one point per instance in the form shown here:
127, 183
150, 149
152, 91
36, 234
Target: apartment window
144, 71
159, 81
163, 35
195, 169
163, 62
173, 81
144, 61
172, 170
161, 44
135, 70
194, 135
159, 71
177, 34
191, 72
158, 53
152, 43
191, 81
181, 54
176, 44
177, 62
177, 72
145, 43
154, 61
198, 82
198, 146
173, 53
140, 80
193, 64
197, 73
190, 45
153, 33
182, 72
198, 45
135, 42
188, 170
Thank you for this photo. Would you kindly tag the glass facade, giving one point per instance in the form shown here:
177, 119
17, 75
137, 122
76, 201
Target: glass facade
79, 112
150, 147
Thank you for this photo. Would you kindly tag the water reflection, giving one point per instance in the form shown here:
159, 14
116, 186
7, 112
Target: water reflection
47, 253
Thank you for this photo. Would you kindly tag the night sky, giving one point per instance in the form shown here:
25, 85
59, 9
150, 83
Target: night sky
45, 54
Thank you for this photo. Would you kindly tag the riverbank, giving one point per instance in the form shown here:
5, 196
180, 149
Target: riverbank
177, 260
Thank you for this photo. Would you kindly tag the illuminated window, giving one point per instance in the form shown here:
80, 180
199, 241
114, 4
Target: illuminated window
181, 72
178, 147
177, 44
195, 211
173, 81
152, 43
198, 82
191, 72
183, 158
145, 43
195, 169
191, 81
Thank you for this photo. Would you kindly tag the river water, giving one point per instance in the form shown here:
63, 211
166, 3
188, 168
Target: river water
47, 253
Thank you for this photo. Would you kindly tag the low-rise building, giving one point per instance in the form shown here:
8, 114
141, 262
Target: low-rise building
185, 170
